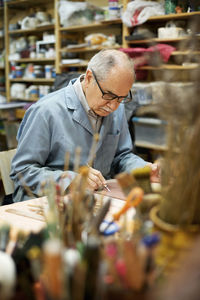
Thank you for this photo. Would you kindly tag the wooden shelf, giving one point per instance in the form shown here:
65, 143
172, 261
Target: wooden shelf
157, 40
45, 80
24, 99
150, 146
169, 67
31, 30
88, 49
173, 16
74, 65
27, 60
174, 53
18, 4
91, 25
19, 113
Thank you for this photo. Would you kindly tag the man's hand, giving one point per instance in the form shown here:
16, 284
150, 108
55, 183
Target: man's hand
95, 179
155, 171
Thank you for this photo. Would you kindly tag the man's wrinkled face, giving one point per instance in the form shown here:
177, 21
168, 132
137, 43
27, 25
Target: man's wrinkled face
118, 83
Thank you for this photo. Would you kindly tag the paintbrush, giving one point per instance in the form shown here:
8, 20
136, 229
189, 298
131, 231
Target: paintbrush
135, 275
101, 215
126, 182
142, 176
4, 236
133, 199
93, 149
77, 159
25, 186
53, 268
67, 158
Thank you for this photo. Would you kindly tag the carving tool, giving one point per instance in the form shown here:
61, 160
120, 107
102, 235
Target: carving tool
106, 187
25, 214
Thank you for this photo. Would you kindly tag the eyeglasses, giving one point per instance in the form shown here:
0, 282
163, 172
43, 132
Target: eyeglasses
111, 96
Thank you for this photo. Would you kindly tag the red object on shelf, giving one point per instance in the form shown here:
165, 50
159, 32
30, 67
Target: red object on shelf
164, 50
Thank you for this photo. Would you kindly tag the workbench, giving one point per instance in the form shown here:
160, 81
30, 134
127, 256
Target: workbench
34, 222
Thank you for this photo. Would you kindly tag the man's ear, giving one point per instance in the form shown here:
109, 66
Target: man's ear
88, 77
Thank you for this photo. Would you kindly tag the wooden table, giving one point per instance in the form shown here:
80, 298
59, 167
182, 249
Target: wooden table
18, 222
34, 222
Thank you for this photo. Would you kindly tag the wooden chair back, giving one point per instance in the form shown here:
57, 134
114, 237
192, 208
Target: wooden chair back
5, 167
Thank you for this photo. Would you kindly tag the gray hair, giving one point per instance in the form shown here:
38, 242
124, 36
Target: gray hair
102, 62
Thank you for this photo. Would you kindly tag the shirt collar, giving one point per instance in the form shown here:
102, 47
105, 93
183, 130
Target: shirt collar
79, 92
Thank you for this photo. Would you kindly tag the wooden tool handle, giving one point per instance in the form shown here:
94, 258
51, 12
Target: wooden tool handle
134, 198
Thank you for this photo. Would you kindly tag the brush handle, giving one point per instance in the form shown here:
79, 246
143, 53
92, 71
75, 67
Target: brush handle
133, 199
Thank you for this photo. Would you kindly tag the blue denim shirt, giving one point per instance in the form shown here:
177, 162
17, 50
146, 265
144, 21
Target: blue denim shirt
57, 124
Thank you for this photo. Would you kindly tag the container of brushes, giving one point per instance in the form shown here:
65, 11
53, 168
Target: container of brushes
176, 241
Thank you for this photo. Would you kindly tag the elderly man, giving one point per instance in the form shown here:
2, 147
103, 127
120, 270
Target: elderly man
68, 118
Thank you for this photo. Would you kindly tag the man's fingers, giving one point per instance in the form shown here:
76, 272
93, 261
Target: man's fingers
95, 179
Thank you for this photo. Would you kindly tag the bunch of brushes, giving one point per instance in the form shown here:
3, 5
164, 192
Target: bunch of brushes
72, 258
181, 164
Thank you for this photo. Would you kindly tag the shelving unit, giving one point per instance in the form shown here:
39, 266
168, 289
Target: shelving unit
183, 63
78, 33
158, 40
2, 66
182, 43
15, 10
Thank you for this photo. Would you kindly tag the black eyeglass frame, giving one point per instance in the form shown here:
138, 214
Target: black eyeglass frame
124, 99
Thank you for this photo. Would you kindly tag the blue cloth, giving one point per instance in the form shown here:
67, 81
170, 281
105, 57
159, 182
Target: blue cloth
58, 123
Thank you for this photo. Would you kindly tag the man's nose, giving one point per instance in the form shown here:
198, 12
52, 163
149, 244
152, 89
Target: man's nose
113, 104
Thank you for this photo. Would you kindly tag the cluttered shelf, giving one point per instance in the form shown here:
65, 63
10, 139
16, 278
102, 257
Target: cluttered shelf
27, 60
19, 113
88, 49
91, 25
152, 146
31, 30
24, 99
81, 64
186, 52
33, 80
171, 67
18, 4
174, 16
160, 40
30, 48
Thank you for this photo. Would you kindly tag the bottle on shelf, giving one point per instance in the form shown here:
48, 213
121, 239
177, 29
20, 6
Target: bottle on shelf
113, 9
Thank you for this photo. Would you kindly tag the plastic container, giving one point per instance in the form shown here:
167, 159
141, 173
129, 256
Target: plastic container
150, 130
19, 71
113, 9
38, 71
48, 71
170, 6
